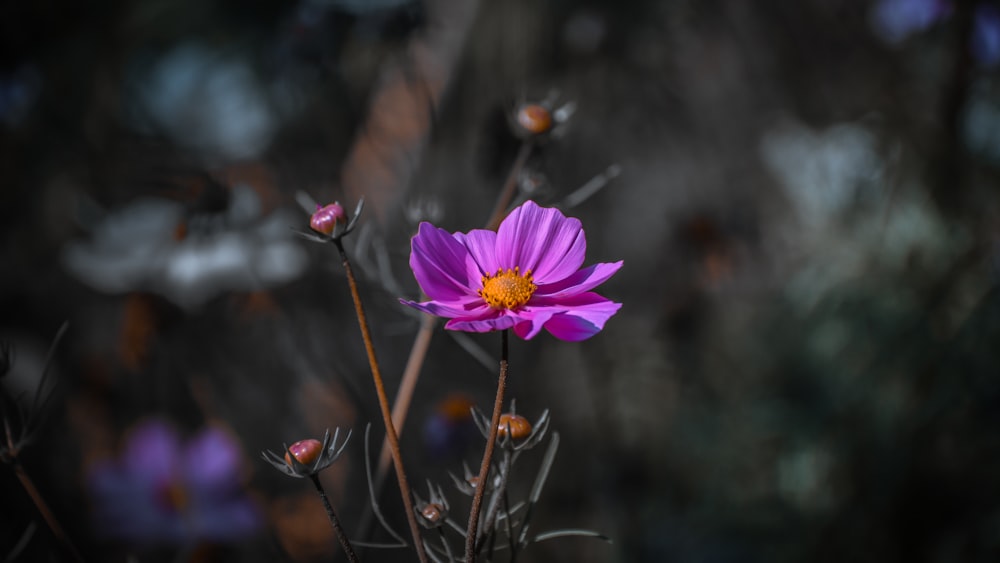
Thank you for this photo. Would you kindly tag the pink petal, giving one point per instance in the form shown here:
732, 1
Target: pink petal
582, 281
533, 322
542, 240
481, 245
441, 264
488, 324
583, 316
470, 307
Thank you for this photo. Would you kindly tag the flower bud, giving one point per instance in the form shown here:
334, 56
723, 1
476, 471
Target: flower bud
433, 514
325, 219
514, 426
305, 451
534, 119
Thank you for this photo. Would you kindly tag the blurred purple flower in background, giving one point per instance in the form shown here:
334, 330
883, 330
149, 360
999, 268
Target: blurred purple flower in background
449, 431
525, 276
161, 491
986, 35
896, 20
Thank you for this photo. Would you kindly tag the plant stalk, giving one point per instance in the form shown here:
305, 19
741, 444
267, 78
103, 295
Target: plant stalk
390, 431
36, 496
484, 469
423, 339
334, 521
509, 186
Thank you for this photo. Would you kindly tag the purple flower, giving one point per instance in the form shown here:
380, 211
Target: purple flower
895, 20
163, 492
986, 35
449, 430
525, 276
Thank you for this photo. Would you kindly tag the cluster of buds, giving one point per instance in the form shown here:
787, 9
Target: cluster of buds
308, 457
330, 222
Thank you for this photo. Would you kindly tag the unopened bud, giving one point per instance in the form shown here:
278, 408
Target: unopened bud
514, 426
325, 219
534, 119
433, 513
305, 451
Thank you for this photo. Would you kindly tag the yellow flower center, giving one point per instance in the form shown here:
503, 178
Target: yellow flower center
507, 289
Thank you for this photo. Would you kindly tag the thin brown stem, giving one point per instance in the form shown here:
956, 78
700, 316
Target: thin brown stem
335, 522
422, 342
501, 493
484, 469
11, 447
418, 352
411, 373
45, 511
390, 431
509, 187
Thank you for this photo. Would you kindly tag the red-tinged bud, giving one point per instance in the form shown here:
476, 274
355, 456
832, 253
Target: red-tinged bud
305, 451
325, 219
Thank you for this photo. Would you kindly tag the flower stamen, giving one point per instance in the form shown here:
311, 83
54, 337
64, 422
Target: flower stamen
508, 289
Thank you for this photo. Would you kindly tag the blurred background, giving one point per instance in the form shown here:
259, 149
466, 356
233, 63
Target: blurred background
804, 194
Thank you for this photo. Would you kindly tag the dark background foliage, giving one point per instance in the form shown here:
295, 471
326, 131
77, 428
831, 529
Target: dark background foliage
805, 366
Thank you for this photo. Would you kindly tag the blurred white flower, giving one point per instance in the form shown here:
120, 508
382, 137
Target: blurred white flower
206, 101
139, 248
822, 171
981, 122
804, 477
845, 227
